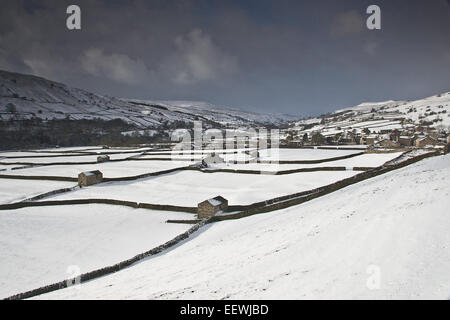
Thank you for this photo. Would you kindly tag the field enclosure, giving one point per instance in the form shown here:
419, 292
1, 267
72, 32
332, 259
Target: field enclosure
49, 238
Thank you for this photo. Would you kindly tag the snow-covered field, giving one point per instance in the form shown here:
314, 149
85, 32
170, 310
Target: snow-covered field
118, 150
65, 158
109, 169
394, 224
12, 190
303, 154
357, 146
132, 167
384, 238
205, 151
183, 156
30, 154
240, 156
8, 167
188, 188
38, 245
364, 160
71, 149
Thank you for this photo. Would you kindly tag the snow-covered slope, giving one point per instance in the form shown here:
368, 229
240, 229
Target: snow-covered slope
368, 106
198, 110
379, 117
38, 97
386, 237
39, 245
434, 109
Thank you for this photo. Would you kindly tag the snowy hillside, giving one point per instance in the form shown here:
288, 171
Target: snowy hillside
87, 236
433, 111
386, 237
368, 106
197, 110
38, 97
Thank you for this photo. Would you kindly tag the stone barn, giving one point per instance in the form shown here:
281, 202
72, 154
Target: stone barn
210, 207
212, 159
89, 178
103, 158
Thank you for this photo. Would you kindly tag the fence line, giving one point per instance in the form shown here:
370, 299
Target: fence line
132, 204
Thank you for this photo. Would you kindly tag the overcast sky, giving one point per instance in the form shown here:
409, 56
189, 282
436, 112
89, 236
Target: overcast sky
297, 57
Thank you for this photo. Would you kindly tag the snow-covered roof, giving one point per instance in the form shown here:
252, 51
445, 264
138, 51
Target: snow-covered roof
91, 173
426, 137
214, 202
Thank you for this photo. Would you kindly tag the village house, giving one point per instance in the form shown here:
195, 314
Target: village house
103, 158
293, 143
347, 137
406, 141
89, 178
210, 207
421, 142
164, 146
433, 134
419, 129
394, 135
386, 143
370, 139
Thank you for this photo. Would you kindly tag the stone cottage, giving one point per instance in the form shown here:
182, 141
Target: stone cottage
89, 178
406, 141
210, 207
371, 139
103, 158
425, 141
386, 143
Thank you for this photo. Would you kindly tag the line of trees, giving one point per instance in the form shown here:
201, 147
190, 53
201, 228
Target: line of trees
33, 133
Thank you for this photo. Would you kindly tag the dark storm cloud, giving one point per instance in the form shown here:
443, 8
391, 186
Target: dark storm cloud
298, 57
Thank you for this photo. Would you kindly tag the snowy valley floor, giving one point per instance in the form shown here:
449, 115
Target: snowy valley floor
384, 238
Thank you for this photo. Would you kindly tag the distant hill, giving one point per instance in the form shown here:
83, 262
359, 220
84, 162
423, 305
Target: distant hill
34, 96
433, 111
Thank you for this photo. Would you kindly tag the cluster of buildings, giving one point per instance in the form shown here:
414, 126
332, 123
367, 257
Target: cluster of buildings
412, 136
